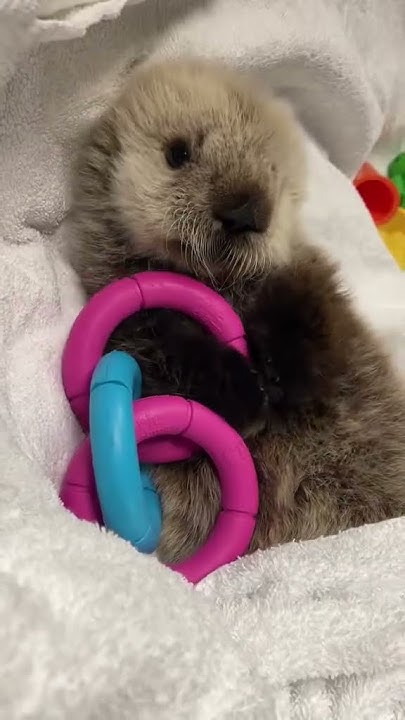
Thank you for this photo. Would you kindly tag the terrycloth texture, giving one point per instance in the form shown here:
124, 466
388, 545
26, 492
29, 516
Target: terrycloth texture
89, 628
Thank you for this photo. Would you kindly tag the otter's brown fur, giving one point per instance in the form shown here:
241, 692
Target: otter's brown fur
319, 406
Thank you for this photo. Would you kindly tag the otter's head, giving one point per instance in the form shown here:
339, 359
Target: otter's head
198, 167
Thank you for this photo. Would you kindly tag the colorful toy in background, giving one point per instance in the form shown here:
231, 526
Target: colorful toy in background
396, 173
105, 482
379, 194
384, 198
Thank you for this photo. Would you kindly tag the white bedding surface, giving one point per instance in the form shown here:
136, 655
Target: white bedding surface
90, 629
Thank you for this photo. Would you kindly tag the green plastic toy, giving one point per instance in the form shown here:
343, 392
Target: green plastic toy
396, 173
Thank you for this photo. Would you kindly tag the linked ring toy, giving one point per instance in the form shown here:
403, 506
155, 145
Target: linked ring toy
103, 394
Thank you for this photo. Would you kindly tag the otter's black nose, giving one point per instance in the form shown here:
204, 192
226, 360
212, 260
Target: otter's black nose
241, 214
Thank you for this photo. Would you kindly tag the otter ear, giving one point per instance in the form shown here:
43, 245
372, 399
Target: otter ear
288, 145
289, 139
283, 111
284, 105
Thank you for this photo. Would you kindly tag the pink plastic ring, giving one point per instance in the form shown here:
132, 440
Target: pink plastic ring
121, 299
170, 415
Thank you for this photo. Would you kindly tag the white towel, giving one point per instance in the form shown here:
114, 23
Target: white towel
89, 628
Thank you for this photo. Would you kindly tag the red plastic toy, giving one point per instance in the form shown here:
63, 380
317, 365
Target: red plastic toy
379, 194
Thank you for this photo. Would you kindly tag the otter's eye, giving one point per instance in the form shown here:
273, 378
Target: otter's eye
177, 153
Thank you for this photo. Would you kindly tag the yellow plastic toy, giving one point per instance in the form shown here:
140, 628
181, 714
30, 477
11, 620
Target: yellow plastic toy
393, 234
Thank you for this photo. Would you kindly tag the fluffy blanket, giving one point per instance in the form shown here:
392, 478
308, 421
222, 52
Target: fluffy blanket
89, 628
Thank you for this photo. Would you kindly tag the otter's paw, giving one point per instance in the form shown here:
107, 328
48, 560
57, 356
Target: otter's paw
241, 399
190, 497
223, 380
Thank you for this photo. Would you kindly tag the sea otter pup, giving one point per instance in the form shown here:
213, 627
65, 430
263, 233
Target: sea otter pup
195, 168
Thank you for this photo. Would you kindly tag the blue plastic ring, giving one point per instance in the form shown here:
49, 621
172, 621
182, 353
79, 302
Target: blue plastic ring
129, 503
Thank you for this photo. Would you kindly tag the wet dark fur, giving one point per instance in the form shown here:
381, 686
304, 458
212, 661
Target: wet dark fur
319, 405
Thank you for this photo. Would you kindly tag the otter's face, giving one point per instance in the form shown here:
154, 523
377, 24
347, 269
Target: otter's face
209, 172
